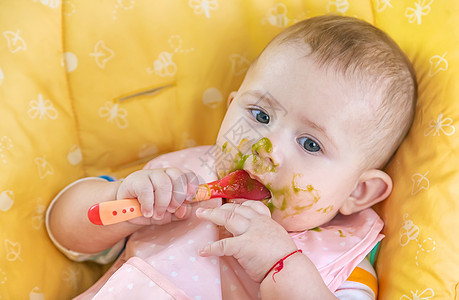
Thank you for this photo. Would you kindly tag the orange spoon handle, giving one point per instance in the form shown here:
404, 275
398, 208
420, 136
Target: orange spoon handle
111, 212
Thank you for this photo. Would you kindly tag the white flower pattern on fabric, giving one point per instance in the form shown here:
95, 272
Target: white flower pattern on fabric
381, 5
203, 6
444, 125
416, 295
437, 63
114, 114
42, 108
422, 8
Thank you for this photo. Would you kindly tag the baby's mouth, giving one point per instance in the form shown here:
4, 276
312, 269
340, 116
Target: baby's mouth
253, 176
257, 178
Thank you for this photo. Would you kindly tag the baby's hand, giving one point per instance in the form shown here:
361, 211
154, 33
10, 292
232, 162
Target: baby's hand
161, 193
258, 242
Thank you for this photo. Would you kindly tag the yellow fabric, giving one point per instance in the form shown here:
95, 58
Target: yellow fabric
100, 87
419, 257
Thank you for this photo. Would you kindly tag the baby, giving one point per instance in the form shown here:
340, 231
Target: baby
319, 114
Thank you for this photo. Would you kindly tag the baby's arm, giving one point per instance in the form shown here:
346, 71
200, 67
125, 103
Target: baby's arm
298, 279
293, 282
70, 226
161, 193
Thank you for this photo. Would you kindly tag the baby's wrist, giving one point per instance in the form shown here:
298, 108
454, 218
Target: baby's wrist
115, 186
279, 265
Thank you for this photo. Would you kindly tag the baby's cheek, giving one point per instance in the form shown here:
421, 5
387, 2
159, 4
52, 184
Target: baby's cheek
295, 200
305, 220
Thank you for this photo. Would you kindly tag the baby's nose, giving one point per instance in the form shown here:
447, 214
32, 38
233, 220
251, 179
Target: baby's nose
263, 155
264, 149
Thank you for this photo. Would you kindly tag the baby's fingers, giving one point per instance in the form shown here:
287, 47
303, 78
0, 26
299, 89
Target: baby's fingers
138, 186
224, 247
179, 184
183, 186
162, 187
229, 218
257, 206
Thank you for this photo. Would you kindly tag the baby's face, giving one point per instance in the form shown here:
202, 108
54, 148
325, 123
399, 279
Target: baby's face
291, 127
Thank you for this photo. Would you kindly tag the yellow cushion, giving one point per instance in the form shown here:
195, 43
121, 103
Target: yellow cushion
419, 257
100, 87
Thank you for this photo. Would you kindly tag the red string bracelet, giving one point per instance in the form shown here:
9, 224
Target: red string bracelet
280, 264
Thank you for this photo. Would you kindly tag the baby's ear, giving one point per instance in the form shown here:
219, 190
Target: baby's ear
373, 186
231, 97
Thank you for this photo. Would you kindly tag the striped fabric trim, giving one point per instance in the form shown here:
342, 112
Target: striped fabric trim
364, 277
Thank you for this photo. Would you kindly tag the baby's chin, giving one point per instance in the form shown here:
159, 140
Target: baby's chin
293, 226
299, 223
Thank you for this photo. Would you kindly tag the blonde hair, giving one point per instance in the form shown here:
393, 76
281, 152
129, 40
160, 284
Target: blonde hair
361, 52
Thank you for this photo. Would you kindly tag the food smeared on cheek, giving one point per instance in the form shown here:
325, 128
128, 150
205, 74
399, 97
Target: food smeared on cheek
240, 158
284, 204
309, 188
326, 209
279, 195
293, 199
225, 148
237, 162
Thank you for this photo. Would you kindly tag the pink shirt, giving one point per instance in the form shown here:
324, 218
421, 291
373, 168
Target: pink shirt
161, 262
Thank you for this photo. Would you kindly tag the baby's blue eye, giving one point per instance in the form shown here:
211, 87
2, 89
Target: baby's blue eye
260, 116
309, 144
